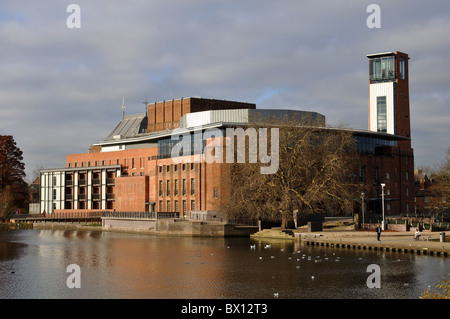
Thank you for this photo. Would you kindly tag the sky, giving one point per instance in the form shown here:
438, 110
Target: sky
61, 87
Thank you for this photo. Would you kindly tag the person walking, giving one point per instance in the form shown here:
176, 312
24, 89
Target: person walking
378, 232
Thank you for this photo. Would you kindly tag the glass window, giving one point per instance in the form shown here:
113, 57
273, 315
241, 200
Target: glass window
381, 114
168, 187
402, 68
192, 186
175, 189
382, 68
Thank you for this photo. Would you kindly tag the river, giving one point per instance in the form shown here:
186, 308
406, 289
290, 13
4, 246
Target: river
34, 264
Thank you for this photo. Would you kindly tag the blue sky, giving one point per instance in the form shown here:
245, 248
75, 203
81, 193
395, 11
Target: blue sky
61, 89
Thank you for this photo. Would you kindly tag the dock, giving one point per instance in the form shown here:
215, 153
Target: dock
400, 242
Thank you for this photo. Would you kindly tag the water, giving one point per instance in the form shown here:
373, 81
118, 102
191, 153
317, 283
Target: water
33, 264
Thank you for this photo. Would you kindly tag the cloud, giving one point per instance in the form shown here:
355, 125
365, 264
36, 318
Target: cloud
61, 89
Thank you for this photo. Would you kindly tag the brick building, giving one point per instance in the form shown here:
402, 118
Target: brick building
133, 168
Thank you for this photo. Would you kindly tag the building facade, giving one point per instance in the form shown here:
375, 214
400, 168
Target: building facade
135, 168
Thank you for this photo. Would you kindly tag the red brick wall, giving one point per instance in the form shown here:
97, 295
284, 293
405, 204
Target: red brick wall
131, 193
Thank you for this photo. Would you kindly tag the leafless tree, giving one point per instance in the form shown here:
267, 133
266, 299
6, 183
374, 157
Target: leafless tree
314, 175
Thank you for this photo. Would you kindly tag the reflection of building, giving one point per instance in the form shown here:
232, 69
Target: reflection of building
132, 169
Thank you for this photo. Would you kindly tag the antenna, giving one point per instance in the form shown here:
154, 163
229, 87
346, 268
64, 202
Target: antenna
146, 105
123, 107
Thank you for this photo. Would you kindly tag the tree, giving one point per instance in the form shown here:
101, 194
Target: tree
12, 173
439, 190
6, 200
315, 165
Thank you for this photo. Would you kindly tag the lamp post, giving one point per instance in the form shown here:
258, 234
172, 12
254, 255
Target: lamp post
383, 224
362, 208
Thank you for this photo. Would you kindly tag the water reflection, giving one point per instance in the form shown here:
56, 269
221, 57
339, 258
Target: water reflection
33, 264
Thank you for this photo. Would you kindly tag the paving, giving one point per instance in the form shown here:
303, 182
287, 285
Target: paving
390, 241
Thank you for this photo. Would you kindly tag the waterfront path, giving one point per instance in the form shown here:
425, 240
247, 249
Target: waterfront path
389, 241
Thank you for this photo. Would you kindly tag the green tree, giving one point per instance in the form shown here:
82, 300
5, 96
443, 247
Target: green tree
13, 187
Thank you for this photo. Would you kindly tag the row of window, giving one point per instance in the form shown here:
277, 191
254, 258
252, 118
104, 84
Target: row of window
376, 172
184, 167
176, 187
127, 162
176, 207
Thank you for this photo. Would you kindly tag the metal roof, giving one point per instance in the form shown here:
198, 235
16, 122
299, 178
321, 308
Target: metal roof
130, 126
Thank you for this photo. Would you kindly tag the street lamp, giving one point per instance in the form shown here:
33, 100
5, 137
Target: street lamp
383, 224
362, 208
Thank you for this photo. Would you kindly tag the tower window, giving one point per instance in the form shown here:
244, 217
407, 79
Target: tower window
381, 114
382, 69
402, 68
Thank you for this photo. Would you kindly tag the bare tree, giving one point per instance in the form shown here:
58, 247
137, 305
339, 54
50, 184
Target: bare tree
439, 190
314, 175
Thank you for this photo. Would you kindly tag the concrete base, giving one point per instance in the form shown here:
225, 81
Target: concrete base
129, 224
175, 226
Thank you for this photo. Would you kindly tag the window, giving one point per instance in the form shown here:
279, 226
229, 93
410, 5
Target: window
132, 163
388, 176
184, 167
176, 206
192, 186
402, 68
184, 187
160, 206
382, 68
216, 192
54, 194
175, 188
362, 174
192, 204
192, 166
168, 168
381, 114
168, 188
168, 205
160, 188
375, 175
184, 208
54, 180
388, 207
160, 169
175, 168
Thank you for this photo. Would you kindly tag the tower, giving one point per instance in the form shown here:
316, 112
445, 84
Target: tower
389, 95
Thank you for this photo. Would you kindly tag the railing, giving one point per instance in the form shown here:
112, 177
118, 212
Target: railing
150, 215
